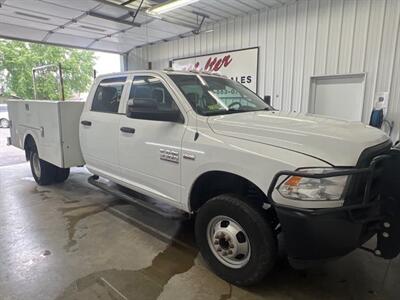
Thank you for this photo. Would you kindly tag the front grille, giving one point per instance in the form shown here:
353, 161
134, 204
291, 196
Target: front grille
358, 183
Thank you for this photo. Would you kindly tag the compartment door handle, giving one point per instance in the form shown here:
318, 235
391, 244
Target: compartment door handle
127, 129
86, 123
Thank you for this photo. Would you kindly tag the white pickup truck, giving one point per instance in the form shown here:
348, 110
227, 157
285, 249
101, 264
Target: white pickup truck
247, 173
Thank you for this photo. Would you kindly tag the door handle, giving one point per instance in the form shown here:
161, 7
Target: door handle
127, 129
86, 123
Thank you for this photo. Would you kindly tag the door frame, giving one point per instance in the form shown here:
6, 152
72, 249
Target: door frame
313, 87
171, 90
144, 189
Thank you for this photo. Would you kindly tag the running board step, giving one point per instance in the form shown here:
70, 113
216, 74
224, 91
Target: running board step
172, 214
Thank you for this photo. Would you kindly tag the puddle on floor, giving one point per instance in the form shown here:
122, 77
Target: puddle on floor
143, 284
49, 194
146, 283
75, 214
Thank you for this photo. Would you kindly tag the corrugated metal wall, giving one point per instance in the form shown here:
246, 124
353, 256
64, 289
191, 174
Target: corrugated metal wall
305, 38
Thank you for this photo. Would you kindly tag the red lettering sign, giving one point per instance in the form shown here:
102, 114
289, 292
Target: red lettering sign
215, 64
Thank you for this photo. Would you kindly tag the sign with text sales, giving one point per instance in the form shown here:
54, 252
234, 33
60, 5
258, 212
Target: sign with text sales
239, 65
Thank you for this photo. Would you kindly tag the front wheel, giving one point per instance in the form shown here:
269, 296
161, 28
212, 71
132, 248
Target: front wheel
236, 240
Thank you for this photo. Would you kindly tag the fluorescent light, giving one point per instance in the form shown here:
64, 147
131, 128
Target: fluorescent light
168, 6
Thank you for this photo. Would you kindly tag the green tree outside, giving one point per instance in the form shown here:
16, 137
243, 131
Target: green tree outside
18, 58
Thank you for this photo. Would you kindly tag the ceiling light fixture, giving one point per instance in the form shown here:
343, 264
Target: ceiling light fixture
168, 6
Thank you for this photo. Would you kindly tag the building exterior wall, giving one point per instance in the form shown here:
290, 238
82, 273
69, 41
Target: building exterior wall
303, 39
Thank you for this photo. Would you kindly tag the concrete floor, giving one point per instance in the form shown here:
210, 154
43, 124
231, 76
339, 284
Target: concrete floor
72, 241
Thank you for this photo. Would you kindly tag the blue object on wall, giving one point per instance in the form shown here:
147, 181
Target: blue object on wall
376, 118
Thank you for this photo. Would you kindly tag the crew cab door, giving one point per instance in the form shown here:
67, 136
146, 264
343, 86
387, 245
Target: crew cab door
149, 145
99, 127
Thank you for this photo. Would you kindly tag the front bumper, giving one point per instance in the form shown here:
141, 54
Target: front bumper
313, 235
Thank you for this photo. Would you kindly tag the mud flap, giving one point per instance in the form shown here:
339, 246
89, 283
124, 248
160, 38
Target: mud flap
388, 242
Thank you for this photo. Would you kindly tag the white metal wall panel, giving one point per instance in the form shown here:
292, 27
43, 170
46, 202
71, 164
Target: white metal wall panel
305, 38
298, 56
270, 50
347, 36
310, 50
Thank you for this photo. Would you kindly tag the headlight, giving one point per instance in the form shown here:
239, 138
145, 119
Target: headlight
312, 189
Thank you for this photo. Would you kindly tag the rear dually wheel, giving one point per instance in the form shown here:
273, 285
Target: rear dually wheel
44, 172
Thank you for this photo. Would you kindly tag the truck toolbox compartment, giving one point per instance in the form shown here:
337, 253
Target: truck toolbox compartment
54, 125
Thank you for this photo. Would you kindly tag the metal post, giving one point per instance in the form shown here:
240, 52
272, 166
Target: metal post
61, 82
34, 83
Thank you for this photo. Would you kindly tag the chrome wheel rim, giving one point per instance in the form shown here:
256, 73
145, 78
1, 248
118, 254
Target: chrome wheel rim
36, 165
229, 242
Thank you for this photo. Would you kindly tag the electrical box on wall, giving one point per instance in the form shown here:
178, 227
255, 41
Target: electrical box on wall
381, 100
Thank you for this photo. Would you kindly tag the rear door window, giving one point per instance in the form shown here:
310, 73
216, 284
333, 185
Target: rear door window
108, 95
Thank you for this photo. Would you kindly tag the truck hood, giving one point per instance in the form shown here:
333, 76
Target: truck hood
334, 141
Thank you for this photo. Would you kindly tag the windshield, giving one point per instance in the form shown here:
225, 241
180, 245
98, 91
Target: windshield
212, 95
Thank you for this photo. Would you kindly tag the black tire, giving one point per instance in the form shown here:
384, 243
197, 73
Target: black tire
61, 174
43, 172
262, 240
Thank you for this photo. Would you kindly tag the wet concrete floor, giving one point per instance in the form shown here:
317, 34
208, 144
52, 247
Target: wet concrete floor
72, 241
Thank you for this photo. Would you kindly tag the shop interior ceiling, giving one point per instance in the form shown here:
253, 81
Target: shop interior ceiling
116, 26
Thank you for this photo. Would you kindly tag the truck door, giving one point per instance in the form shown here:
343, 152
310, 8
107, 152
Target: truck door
99, 128
150, 148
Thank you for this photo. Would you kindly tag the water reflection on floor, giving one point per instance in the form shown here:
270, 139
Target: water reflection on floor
72, 241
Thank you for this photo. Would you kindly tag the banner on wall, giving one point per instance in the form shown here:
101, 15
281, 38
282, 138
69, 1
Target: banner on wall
240, 65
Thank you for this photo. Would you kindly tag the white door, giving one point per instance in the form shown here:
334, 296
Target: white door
100, 127
339, 96
150, 147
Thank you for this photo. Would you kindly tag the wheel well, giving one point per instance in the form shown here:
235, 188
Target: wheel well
215, 183
29, 145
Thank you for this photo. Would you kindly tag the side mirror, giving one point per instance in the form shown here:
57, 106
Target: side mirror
148, 110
